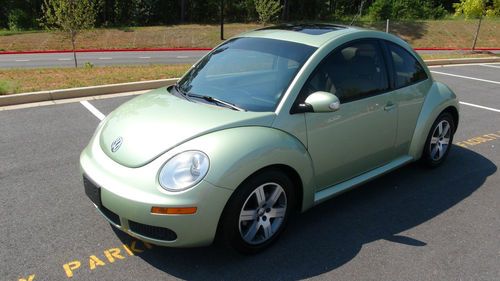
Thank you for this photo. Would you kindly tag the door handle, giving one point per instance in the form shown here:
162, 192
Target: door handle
389, 106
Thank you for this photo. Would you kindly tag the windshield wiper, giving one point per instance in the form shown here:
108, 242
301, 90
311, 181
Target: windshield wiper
181, 92
214, 100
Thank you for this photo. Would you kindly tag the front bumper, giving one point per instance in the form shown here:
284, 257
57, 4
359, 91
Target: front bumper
127, 195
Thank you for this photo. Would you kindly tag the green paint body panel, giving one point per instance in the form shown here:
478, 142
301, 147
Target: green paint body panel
330, 152
147, 128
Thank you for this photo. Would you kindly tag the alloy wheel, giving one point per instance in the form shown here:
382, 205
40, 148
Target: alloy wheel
262, 213
440, 140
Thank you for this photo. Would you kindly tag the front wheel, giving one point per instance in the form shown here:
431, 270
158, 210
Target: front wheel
439, 140
258, 212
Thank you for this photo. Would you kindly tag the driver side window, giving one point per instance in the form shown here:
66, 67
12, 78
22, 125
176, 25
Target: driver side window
356, 71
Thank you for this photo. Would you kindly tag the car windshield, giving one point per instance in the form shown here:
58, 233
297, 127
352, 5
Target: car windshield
250, 73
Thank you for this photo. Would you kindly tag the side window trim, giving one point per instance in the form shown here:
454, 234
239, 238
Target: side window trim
391, 70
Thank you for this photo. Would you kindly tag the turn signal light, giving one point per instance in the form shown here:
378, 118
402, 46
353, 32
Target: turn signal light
173, 211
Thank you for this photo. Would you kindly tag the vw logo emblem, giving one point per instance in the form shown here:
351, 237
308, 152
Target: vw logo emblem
115, 145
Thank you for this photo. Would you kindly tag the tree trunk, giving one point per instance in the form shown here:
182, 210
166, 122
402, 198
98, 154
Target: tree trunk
73, 38
221, 19
183, 10
477, 32
284, 13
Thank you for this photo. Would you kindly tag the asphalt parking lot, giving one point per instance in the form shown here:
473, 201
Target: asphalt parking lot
412, 224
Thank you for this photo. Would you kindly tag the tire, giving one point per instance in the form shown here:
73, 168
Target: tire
257, 212
439, 141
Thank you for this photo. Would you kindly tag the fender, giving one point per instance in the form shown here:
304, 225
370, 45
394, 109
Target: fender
438, 99
237, 153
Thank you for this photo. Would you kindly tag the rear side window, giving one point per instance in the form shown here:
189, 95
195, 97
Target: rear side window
407, 69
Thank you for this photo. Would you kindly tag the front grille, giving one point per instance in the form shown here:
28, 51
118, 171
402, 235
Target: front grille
154, 232
110, 215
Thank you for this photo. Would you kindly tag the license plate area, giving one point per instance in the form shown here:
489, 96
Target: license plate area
93, 191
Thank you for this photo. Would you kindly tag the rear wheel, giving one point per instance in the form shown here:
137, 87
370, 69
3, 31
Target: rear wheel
439, 140
258, 212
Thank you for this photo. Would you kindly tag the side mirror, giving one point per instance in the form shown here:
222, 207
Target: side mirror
323, 102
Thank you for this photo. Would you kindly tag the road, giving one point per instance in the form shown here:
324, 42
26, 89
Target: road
412, 224
99, 59
112, 58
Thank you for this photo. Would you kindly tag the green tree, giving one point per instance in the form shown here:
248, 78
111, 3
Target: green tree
470, 8
477, 9
405, 9
69, 16
267, 10
18, 20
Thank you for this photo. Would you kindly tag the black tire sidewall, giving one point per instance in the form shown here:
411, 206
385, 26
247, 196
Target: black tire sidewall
230, 219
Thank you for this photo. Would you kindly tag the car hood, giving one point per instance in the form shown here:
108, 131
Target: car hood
153, 123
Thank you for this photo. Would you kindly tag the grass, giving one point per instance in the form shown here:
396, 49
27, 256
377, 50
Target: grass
176, 36
7, 87
14, 81
456, 33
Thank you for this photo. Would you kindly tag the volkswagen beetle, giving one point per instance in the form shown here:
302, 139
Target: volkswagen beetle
267, 124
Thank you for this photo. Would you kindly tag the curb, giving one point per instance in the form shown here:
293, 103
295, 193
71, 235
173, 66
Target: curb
153, 84
103, 51
461, 61
83, 92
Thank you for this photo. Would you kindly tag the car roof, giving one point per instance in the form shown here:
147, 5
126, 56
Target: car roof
309, 34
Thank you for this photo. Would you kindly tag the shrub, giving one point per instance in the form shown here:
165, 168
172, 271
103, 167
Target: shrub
18, 19
89, 65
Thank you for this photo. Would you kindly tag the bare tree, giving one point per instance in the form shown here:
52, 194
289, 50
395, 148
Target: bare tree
360, 12
69, 16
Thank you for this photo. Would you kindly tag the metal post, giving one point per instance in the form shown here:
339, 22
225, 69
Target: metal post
387, 26
221, 19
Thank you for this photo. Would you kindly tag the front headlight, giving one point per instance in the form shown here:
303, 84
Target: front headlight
184, 170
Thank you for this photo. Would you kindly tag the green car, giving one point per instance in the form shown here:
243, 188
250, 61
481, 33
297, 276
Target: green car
268, 124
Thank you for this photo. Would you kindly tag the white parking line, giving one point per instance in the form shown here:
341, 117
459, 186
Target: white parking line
182, 57
93, 110
144, 57
105, 58
480, 106
461, 64
64, 59
466, 77
22, 60
490, 65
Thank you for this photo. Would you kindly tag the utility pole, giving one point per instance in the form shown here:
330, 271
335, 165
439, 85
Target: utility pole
221, 19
